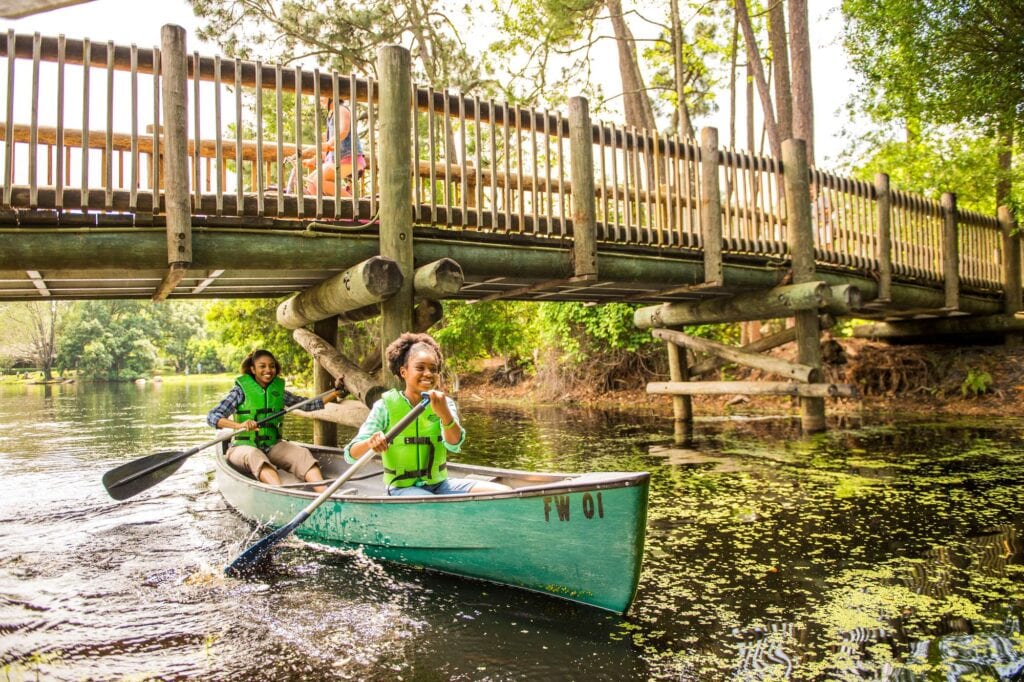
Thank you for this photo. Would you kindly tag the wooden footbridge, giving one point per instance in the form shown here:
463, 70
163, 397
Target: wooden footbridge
154, 173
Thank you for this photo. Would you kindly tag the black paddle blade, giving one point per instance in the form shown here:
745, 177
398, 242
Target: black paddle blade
132, 478
249, 560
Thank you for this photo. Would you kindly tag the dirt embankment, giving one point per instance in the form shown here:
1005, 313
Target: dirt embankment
903, 380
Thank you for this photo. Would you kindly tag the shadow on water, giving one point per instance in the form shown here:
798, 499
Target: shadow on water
875, 551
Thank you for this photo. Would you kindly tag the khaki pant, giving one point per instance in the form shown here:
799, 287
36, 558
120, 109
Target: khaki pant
293, 458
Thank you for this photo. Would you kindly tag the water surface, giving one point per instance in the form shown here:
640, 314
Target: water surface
875, 551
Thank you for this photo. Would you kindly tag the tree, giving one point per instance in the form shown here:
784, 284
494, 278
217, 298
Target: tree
800, 68
933, 63
760, 80
118, 340
341, 36
39, 324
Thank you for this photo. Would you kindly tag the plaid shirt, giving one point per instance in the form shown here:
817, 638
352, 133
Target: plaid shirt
229, 405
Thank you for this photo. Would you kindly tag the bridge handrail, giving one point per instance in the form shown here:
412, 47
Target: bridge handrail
480, 165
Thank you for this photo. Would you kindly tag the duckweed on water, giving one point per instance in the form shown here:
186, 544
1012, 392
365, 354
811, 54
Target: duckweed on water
895, 562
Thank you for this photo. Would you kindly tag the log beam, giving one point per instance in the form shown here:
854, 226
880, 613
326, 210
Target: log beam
759, 346
438, 280
359, 383
945, 326
348, 412
781, 301
752, 388
767, 363
367, 283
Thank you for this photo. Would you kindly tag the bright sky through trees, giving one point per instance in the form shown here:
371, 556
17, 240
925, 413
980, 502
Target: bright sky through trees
132, 21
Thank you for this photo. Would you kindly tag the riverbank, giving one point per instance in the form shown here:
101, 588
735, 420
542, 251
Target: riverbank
905, 380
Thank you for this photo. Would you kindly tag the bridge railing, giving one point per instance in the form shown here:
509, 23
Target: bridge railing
82, 133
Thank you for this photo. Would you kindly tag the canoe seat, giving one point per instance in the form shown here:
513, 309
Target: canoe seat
480, 477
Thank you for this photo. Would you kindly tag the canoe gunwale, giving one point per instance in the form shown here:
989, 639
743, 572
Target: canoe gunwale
571, 484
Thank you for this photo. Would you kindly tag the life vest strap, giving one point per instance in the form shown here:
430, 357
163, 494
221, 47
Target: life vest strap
421, 440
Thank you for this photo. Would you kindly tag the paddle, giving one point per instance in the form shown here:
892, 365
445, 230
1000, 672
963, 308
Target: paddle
132, 478
252, 556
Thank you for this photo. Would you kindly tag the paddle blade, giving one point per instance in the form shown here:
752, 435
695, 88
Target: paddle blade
132, 478
248, 560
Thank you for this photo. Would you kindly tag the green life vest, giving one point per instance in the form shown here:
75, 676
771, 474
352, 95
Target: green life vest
259, 404
418, 453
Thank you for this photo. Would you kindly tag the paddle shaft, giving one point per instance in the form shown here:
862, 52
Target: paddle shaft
252, 555
220, 439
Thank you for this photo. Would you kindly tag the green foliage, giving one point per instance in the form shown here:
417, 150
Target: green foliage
975, 384
341, 36
243, 325
935, 75
938, 160
699, 55
473, 331
123, 340
938, 61
583, 330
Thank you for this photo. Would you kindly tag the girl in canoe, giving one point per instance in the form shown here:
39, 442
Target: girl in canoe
260, 450
416, 461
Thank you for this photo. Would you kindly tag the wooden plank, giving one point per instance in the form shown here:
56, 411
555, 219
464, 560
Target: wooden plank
752, 388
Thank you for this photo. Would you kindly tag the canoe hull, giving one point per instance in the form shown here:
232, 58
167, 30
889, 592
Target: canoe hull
580, 540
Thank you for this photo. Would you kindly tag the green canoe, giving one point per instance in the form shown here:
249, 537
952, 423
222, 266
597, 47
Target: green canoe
575, 536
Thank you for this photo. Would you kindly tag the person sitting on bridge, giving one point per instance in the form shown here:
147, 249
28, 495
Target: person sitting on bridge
259, 449
351, 161
416, 461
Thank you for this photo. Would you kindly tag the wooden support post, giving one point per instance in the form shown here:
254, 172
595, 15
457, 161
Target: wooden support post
801, 249
781, 301
883, 206
394, 175
766, 363
367, 283
710, 207
584, 221
682, 405
1012, 293
324, 433
950, 251
359, 383
174, 79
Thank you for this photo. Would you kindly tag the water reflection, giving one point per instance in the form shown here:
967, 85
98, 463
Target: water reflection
877, 552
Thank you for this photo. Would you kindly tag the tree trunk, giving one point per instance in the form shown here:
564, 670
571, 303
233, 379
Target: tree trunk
800, 63
757, 68
636, 103
780, 65
683, 111
749, 93
732, 83
1004, 184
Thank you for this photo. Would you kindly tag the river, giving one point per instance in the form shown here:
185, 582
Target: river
879, 550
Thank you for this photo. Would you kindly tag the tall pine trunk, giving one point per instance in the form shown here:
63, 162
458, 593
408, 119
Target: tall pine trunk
780, 65
757, 68
636, 103
800, 63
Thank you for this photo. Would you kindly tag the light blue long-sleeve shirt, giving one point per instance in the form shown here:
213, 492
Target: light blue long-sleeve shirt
379, 420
